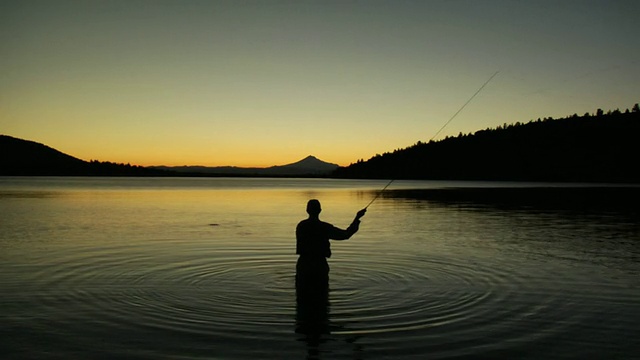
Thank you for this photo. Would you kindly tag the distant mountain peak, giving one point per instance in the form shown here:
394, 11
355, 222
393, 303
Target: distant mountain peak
309, 164
312, 161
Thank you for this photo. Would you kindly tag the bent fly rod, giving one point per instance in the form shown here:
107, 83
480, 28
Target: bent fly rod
438, 132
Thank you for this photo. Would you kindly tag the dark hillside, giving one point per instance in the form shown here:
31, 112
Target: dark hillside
25, 158
22, 157
591, 148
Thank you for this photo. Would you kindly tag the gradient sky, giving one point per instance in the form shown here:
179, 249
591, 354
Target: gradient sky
260, 83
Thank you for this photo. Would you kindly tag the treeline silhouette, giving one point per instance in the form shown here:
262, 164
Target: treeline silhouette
599, 147
27, 158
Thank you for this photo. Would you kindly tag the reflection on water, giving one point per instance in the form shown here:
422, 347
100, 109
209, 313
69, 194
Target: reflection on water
312, 302
132, 268
313, 321
599, 224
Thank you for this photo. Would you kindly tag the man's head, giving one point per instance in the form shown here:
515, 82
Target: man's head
313, 207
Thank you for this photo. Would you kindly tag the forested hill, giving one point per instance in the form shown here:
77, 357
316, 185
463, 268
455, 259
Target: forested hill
25, 158
601, 147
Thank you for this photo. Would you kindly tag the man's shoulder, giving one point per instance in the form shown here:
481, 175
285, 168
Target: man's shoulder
313, 222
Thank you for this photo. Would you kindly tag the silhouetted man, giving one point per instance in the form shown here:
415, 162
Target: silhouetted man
312, 274
312, 241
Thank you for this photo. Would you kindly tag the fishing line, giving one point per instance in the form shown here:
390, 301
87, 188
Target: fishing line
465, 104
438, 132
379, 193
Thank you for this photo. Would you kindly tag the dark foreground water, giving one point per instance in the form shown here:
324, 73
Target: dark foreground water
205, 268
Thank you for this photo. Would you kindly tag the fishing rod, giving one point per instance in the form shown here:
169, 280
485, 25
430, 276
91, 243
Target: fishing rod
438, 132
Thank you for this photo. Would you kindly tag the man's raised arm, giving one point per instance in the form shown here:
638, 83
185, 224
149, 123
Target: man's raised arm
339, 234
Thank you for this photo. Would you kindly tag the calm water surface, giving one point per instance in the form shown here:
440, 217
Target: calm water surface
103, 268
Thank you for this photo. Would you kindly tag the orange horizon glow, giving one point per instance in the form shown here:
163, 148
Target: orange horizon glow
169, 157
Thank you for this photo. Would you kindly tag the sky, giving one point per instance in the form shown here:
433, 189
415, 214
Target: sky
261, 83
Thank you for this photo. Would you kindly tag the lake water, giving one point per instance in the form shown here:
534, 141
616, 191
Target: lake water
204, 268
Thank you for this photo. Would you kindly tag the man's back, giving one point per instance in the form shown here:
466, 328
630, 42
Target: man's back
312, 238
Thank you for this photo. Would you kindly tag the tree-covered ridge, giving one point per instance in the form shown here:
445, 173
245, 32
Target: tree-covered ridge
600, 147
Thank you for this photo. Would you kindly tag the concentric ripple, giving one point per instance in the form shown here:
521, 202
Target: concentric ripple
431, 304
420, 303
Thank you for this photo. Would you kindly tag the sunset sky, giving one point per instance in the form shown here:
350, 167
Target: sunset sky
260, 83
